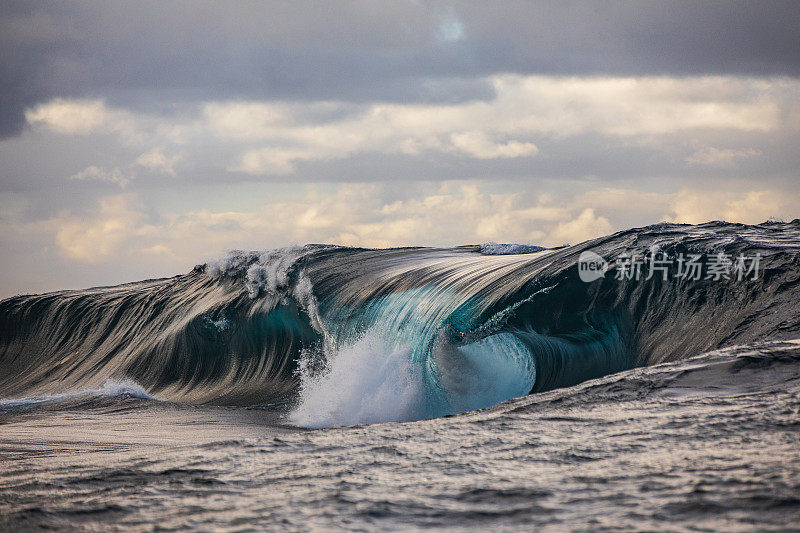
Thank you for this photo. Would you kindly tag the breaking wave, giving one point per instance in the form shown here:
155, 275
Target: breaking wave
350, 335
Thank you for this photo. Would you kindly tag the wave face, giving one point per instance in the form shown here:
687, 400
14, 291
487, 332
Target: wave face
356, 335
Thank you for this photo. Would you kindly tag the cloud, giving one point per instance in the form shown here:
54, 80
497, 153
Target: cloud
244, 121
98, 235
731, 202
93, 173
274, 160
451, 30
751, 207
476, 144
360, 215
524, 109
83, 117
401, 52
121, 238
353, 214
585, 226
69, 117
274, 138
155, 161
634, 106
720, 157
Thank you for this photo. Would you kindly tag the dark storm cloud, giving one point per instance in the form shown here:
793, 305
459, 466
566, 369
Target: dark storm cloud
157, 53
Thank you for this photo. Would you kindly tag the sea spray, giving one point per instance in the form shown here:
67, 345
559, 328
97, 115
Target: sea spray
363, 383
368, 381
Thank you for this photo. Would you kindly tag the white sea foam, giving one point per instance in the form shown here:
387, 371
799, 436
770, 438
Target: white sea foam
111, 388
493, 248
364, 383
269, 271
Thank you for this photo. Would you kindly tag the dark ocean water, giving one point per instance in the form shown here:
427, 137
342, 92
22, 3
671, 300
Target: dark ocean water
469, 388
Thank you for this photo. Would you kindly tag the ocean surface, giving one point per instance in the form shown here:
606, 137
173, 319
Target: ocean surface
647, 380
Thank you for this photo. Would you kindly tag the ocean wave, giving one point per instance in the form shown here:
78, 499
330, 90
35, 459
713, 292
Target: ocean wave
401, 333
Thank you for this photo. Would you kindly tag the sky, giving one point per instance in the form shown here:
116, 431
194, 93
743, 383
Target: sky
138, 139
